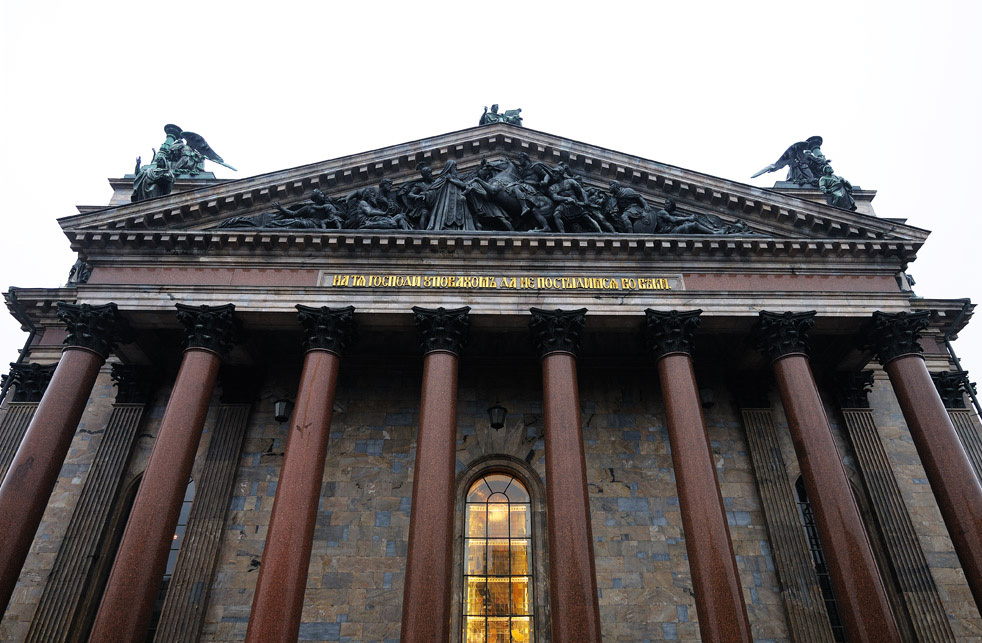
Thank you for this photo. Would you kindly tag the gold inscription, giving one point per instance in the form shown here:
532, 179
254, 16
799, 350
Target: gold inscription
491, 282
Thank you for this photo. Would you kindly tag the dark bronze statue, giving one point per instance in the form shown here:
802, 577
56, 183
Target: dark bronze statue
804, 161
837, 190
512, 194
182, 154
511, 116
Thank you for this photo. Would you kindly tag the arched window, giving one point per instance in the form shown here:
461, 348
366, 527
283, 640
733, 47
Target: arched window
175, 547
818, 560
497, 580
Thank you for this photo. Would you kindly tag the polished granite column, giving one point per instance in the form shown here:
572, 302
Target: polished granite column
131, 591
856, 581
31, 477
278, 601
29, 382
896, 340
572, 569
715, 580
429, 555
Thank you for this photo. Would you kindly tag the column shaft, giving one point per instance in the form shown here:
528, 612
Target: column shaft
858, 588
134, 581
715, 581
948, 468
572, 571
429, 557
278, 602
34, 470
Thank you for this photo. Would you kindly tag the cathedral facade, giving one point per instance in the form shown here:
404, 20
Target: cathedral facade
490, 386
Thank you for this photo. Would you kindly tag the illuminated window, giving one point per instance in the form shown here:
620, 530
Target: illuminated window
497, 562
175, 547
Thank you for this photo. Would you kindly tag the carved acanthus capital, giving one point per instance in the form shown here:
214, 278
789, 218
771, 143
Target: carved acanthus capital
29, 381
442, 329
213, 328
853, 389
952, 387
327, 329
780, 334
94, 328
557, 331
134, 384
670, 331
892, 335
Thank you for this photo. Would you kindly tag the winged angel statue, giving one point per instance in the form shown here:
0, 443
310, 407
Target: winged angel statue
804, 160
182, 154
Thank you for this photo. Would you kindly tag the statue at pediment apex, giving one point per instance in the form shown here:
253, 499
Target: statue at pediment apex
510, 116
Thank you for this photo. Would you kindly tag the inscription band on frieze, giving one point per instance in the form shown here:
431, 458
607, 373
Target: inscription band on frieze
503, 282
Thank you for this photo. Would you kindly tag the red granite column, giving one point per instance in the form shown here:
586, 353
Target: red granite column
429, 558
956, 487
128, 600
715, 581
858, 588
278, 601
92, 332
572, 570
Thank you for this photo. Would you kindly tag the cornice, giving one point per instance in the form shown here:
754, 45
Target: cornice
330, 241
763, 208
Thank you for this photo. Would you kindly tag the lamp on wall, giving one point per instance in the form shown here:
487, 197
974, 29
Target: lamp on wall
282, 409
497, 415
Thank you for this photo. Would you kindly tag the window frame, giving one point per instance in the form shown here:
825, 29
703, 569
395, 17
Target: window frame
506, 465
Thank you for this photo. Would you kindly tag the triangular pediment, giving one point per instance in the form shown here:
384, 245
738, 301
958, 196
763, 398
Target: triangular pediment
767, 214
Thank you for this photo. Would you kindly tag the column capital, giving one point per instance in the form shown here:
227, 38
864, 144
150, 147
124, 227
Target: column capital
134, 384
853, 388
892, 335
327, 329
557, 331
670, 331
93, 328
780, 334
213, 328
952, 385
442, 329
29, 380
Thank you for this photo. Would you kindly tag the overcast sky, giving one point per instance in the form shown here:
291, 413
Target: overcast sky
894, 88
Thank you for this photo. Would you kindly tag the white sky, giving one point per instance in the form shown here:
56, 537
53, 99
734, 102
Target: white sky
721, 87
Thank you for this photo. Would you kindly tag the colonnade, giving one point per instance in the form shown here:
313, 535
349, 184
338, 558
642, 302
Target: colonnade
211, 331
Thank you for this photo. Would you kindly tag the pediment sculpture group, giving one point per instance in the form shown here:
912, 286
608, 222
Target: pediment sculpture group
512, 194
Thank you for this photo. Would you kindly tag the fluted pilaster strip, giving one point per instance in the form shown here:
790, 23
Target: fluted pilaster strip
807, 618
917, 586
12, 430
187, 596
71, 572
966, 425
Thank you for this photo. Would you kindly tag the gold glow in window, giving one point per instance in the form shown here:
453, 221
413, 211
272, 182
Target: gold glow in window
498, 562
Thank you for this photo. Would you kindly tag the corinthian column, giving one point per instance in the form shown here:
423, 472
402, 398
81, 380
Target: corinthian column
856, 582
278, 602
429, 558
572, 570
134, 581
895, 338
92, 333
715, 581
